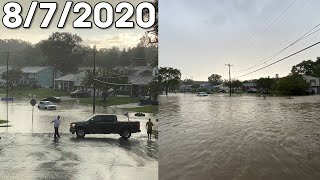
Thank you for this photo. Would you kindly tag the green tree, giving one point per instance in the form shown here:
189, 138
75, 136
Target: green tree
14, 76
187, 82
154, 87
151, 37
234, 84
169, 78
293, 84
265, 84
215, 79
63, 50
106, 80
305, 67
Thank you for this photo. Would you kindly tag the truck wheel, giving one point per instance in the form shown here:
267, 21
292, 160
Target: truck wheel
126, 134
80, 133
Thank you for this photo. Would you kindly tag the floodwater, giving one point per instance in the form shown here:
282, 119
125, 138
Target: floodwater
243, 137
28, 151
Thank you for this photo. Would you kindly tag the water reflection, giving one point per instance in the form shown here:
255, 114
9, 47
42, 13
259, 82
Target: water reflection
243, 137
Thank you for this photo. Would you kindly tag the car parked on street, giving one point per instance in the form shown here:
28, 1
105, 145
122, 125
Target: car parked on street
52, 99
48, 105
105, 124
80, 94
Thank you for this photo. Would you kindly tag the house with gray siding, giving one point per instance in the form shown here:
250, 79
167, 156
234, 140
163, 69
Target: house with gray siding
70, 82
40, 76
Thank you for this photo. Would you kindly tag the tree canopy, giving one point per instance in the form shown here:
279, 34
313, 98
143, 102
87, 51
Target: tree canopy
14, 76
63, 51
169, 78
215, 79
308, 67
293, 84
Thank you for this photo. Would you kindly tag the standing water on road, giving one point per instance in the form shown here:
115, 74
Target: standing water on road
242, 137
28, 151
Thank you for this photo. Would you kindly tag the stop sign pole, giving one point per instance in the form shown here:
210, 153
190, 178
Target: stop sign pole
33, 102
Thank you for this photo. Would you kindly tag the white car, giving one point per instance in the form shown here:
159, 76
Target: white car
202, 94
46, 105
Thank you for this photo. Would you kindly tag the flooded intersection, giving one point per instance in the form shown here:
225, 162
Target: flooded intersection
28, 151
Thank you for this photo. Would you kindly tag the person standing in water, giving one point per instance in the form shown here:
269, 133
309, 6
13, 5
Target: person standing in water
149, 125
56, 124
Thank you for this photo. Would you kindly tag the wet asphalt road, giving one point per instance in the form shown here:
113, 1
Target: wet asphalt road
28, 150
38, 156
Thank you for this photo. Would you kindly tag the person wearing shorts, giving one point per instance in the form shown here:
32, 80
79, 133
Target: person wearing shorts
149, 125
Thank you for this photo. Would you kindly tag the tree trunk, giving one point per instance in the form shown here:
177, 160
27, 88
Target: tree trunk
167, 89
105, 96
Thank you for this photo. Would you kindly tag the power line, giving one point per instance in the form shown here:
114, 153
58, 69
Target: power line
309, 33
261, 25
265, 29
280, 60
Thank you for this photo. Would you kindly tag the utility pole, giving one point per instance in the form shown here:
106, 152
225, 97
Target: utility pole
7, 86
229, 65
94, 81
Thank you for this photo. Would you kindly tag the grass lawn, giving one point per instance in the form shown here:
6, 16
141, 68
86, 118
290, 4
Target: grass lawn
40, 92
110, 101
145, 109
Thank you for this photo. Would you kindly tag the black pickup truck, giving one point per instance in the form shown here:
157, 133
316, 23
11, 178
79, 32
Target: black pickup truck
105, 124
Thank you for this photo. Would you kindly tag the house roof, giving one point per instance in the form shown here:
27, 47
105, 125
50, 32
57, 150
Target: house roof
68, 77
249, 84
34, 69
71, 77
310, 77
140, 80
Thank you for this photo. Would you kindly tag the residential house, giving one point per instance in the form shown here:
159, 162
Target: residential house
3, 69
249, 85
139, 83
206, 87
40, 76
314, 83
185, 88
70, 82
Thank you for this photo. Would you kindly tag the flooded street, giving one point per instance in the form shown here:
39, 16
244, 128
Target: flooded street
28, 151
243, 137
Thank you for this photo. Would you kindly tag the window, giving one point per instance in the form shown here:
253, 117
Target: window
313, 82
108, 118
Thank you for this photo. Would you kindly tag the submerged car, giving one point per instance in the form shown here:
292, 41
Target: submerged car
202, 94
48, 105
252, 90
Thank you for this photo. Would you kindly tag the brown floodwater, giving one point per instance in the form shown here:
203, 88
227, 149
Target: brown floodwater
243, 137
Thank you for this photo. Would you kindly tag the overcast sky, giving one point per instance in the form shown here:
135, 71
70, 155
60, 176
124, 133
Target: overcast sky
101, 37
200, 37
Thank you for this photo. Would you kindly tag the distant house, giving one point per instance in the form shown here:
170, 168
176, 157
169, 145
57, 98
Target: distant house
314, 83
206, 87
155, 71
248, 85
41, 76
3, 69
70, 82
139, 83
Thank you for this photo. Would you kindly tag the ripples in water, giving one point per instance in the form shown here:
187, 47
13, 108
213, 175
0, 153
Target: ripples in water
243, 137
